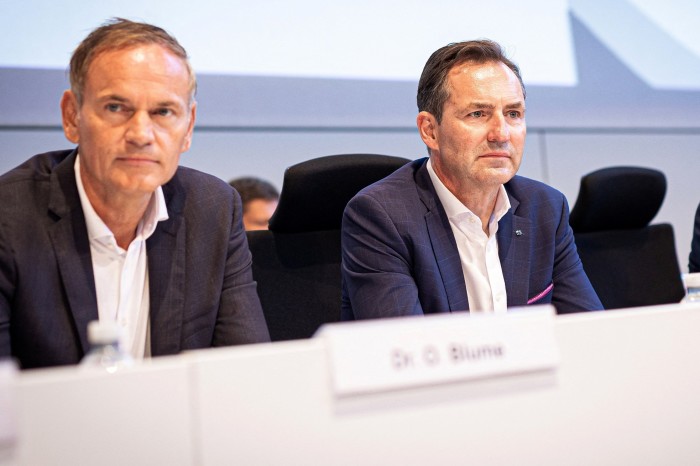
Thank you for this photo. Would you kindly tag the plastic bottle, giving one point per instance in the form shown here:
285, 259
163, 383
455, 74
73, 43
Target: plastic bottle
105, 350
691, 281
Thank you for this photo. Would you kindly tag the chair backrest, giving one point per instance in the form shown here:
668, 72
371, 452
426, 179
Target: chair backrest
315, 192
629, 262
297, 262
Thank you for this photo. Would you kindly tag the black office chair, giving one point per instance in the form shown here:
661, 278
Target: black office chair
629, 262
297, 262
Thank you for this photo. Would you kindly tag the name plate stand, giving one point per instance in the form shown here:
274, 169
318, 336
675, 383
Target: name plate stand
397, 353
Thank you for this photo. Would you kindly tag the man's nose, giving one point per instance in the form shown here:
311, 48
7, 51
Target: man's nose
140, 129
499, 131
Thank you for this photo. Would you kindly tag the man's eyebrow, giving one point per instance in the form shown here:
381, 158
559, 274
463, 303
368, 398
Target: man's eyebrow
114, 97
121, 99
481, 105
167, 103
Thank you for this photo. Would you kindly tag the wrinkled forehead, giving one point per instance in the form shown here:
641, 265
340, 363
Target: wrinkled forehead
493, 77
138, 58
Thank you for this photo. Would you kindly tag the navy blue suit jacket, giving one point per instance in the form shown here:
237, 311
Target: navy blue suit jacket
400, 256
202, 291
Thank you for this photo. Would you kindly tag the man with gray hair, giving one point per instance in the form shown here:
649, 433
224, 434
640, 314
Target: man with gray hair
114, 230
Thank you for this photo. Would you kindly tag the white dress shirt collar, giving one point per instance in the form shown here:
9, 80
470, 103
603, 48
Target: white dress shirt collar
454, 207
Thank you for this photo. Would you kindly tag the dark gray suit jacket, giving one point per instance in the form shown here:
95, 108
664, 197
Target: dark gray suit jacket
400, 256
202, 292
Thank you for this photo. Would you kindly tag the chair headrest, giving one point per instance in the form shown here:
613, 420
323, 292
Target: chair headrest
618, 198
315, 192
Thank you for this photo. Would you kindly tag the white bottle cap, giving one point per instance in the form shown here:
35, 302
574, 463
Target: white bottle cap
103, 332
691, 280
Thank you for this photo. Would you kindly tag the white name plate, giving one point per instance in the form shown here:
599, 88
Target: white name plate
389, 354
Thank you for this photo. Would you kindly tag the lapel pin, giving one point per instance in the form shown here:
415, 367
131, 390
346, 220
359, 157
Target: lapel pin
518, 232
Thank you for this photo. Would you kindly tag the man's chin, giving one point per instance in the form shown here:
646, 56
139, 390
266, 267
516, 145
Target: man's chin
501, 175
135, 187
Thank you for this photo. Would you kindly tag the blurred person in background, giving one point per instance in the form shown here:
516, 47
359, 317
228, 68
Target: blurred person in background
259, 201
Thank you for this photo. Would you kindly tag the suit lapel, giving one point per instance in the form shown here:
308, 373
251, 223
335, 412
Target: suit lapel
72, 248
443, 243
166, 275
514, 236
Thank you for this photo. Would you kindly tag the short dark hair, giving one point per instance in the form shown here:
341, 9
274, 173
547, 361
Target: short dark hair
433, 91
251, 188
116, 34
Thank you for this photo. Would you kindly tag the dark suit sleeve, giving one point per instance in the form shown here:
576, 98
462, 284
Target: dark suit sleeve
240, 319
376, 264
572, 291
694, 260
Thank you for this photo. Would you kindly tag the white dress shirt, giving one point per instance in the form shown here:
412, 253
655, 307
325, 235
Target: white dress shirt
121, 276
481, 266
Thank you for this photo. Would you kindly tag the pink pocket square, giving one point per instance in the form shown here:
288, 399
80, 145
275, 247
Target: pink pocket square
541, 294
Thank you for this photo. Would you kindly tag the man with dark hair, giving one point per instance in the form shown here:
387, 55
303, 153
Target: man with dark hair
114, 230
259, 201
459, 230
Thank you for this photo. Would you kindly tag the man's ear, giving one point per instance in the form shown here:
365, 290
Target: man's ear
70, 116
427, 128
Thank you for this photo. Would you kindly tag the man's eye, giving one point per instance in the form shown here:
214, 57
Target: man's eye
163, 112
514, 114
113, 107
477, 114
